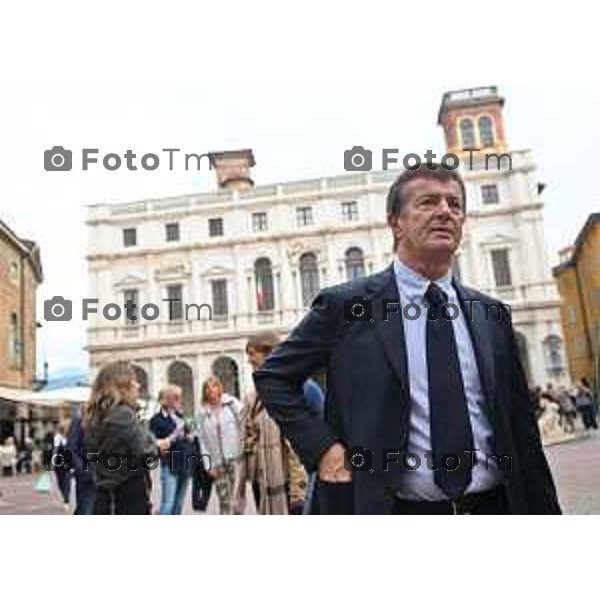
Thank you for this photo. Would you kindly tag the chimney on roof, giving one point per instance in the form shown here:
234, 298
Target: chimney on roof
233, 168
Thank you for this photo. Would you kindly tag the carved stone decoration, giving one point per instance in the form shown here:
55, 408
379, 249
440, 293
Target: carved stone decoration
175, 272
293, 252
130, 281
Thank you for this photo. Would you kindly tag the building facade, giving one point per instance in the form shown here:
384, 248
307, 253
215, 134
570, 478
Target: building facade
20, 275
578, 280
258, 255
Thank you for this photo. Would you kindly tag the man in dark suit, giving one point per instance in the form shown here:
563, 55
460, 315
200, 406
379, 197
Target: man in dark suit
427, 407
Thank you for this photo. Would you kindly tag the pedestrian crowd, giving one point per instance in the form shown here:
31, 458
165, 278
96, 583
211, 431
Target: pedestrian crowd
577, 407
232, 449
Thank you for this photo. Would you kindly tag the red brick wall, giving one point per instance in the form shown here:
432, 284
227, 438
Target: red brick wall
15, 286
453, 115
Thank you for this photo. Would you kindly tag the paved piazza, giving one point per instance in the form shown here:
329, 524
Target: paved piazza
576, 467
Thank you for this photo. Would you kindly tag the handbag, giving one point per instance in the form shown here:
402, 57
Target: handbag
201, 483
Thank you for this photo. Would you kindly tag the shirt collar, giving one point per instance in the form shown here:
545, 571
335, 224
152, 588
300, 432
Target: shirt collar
413, 285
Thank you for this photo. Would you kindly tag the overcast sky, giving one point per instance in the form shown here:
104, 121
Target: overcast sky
295, 132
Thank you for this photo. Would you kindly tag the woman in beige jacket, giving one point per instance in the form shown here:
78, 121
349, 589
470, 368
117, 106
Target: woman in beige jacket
268, 463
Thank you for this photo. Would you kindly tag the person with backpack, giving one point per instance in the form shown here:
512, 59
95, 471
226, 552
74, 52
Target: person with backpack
219, 435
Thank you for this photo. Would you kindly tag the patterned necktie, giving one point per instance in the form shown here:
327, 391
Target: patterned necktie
451, 434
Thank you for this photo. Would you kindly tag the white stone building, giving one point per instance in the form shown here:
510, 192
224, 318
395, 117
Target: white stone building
258, 255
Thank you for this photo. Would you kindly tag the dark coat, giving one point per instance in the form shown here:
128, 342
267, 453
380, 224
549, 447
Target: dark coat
120, 435
368, 399
183, 456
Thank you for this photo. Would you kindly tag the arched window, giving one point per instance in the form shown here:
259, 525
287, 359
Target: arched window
523, 353
309, 277
14, 341
355, 263
180, 374
486, 132
226, 370
467, 133
554, 356
263, 276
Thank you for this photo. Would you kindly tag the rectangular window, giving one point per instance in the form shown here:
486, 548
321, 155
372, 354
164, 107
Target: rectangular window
489, 194
172, 232
259, 221
215, 227
219, 297
501, 267
304, 216
350, 211
130, 298
175, 309
130, 237
572, 312
14, 343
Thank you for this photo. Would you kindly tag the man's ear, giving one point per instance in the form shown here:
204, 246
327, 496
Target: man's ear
396, 225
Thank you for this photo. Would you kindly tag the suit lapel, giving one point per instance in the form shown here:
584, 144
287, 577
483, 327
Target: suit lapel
384, 290
479, 327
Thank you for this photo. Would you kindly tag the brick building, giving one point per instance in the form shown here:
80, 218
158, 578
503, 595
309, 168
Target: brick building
578, 279
20, 275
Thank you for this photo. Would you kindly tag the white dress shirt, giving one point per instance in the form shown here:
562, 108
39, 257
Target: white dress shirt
419, 484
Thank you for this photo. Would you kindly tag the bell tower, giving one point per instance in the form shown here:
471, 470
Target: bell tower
473, 119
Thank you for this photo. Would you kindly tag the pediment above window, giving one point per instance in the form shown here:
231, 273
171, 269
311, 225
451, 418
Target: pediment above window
130, 281
175, 272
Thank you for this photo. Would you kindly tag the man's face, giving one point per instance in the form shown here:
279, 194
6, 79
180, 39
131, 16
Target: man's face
431, 220
172, 400
255, 358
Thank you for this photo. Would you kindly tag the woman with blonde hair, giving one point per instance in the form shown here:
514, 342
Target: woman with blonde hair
219, 435
119, 442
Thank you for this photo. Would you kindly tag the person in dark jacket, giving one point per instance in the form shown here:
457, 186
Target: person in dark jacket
427, 408
84, 471
169, 427
122, 446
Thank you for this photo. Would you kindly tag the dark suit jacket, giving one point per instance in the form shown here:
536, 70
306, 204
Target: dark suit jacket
368, 396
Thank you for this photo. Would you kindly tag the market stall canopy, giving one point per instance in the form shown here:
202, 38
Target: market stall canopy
70, 395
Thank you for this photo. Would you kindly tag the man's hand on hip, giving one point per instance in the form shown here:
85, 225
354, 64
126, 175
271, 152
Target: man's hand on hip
331, 467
